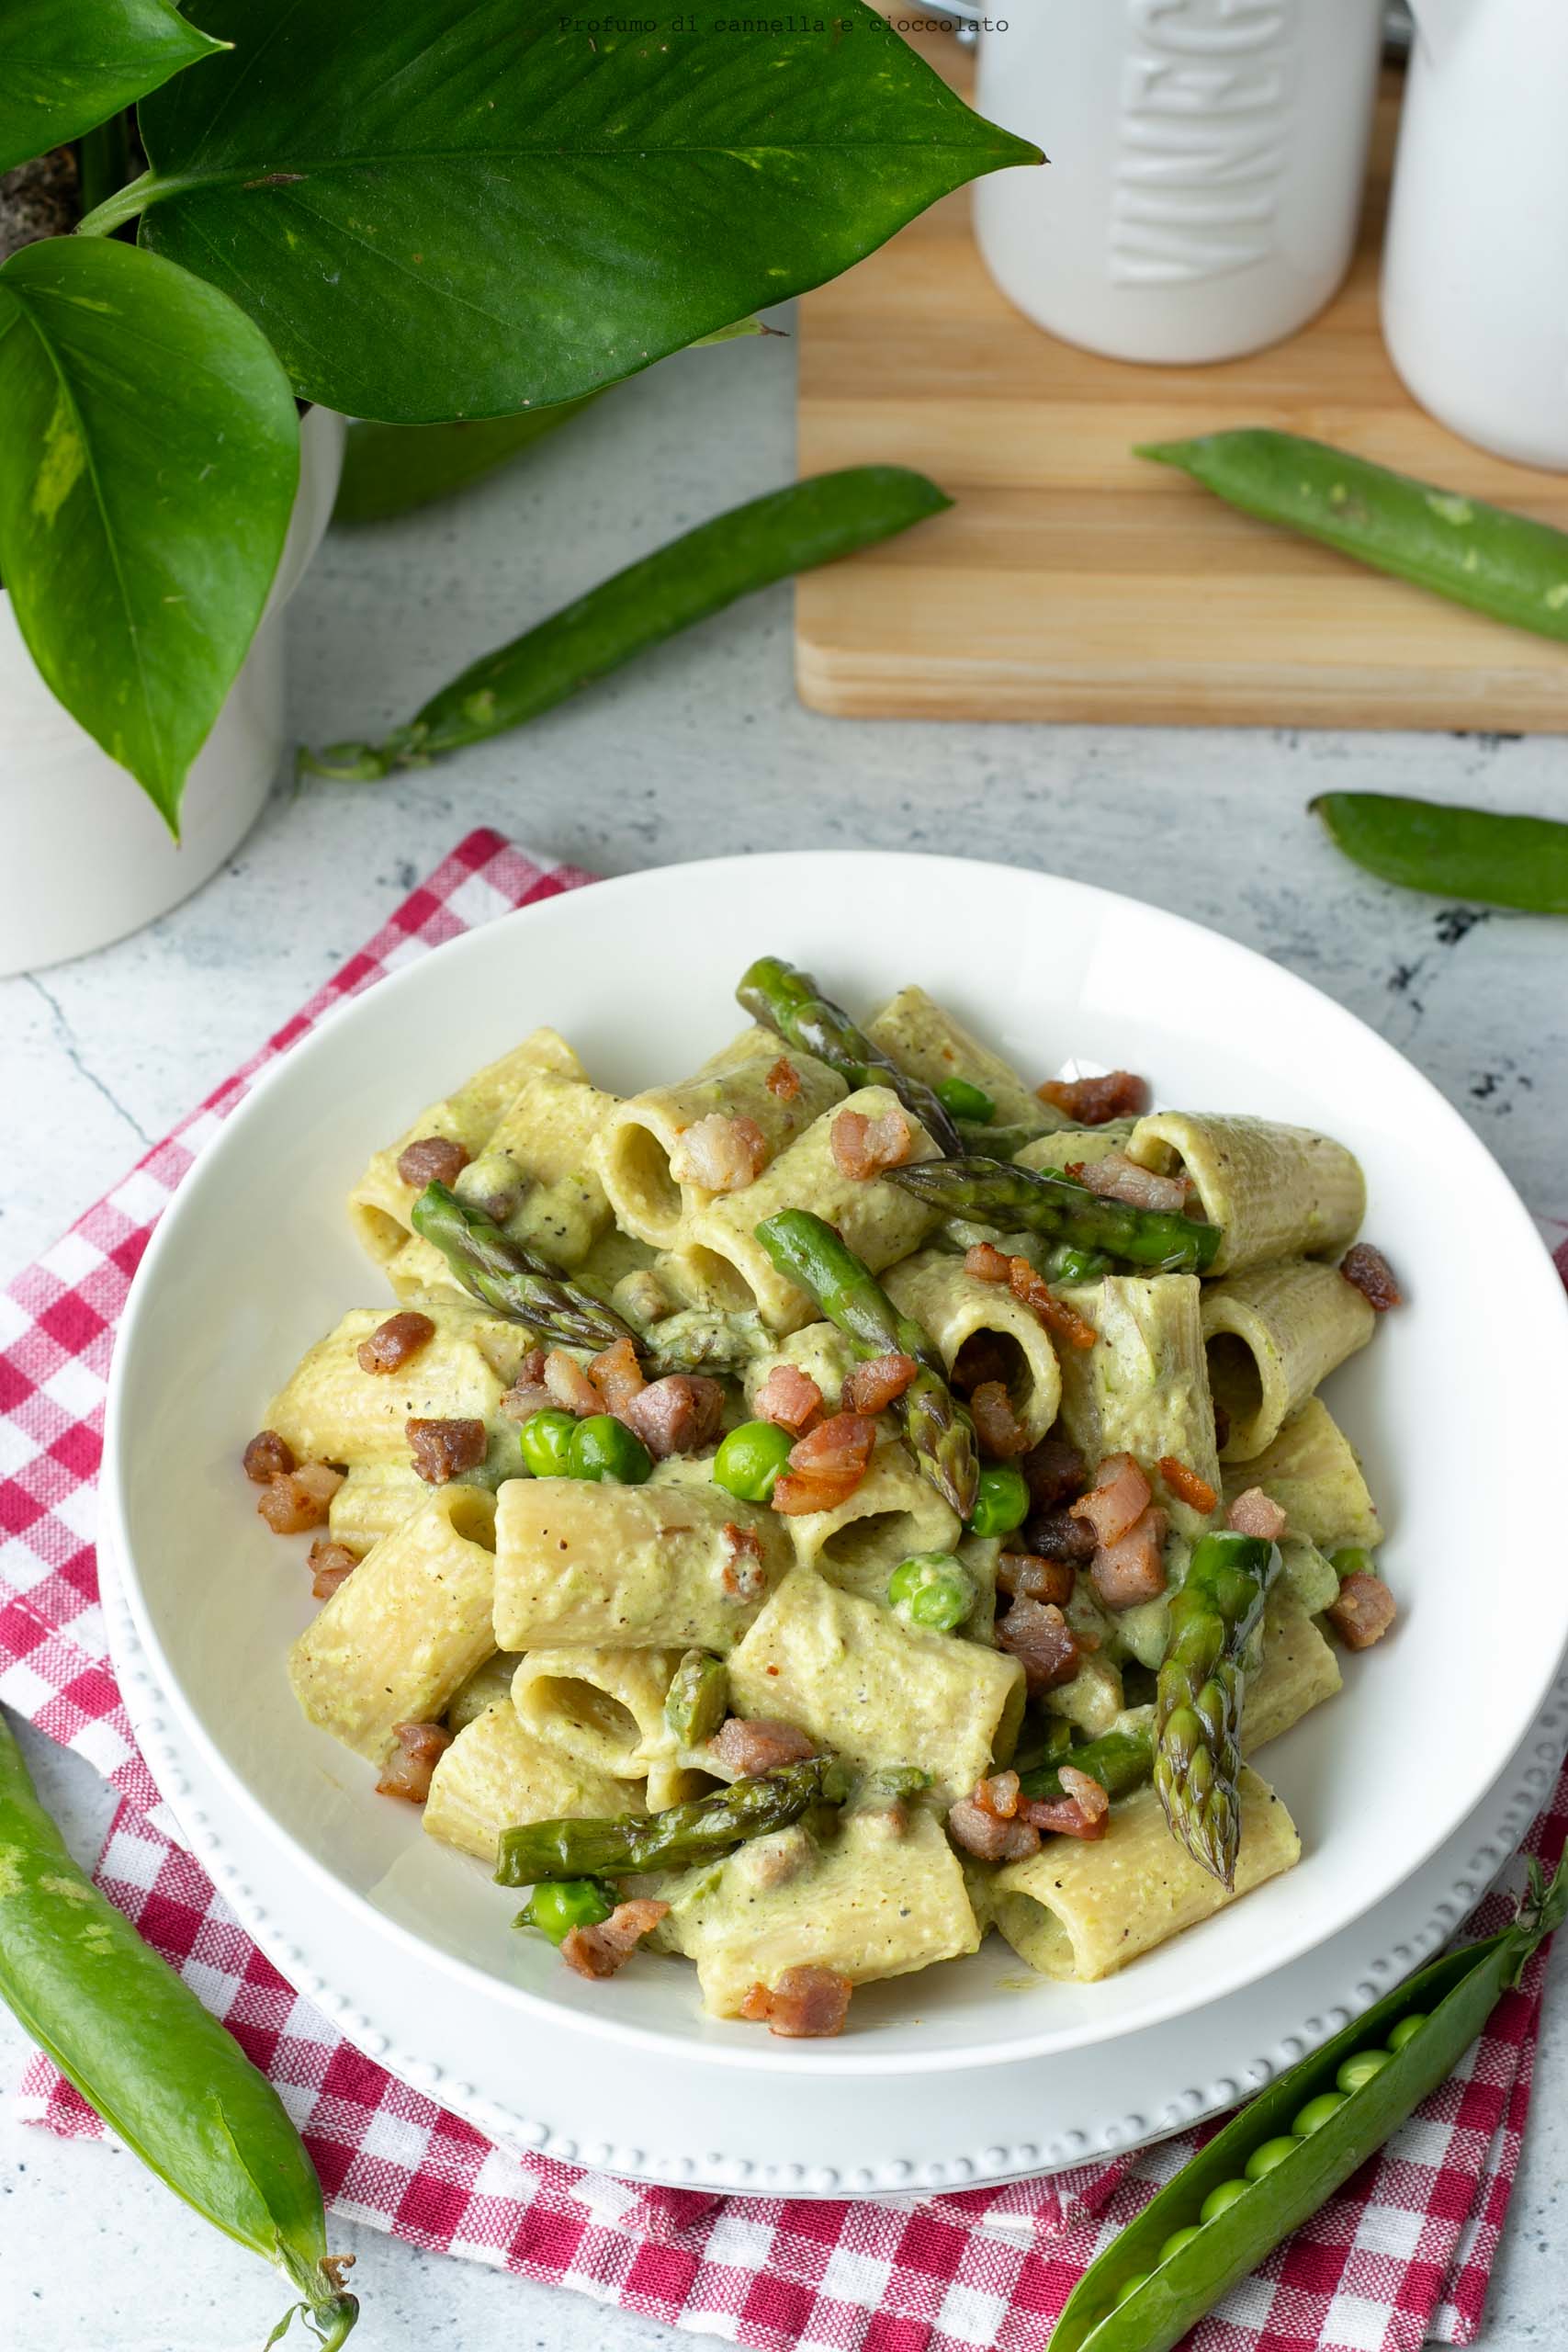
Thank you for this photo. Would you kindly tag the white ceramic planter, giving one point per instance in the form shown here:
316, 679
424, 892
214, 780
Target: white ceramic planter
1207, 161
87, 858
1475, 267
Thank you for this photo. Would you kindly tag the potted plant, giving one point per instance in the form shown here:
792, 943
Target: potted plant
436, 210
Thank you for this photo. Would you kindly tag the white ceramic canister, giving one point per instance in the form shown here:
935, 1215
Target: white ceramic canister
87, 857
1207, 165
1475, 267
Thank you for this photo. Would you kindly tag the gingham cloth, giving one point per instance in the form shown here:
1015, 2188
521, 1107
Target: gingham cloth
1399, 2256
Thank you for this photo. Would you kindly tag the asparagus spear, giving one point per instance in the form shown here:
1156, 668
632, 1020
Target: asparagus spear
1198, 1700
1120, 1760
986, 1192
996, 1143
702, 1831
509, 1280
791, 1004
941, 1434
698, 1698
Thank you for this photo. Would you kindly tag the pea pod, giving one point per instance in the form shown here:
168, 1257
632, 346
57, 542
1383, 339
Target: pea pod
1451, 853
1500, 563
698, 574
1132, 2300
158, 2067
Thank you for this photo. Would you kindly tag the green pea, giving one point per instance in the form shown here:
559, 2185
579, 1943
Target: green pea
1351, 1561
749, 1461
1176, 2240
1316, 2113
1358, 2072
1263, 2159
1406, 2030
1001, 1500
1221, 2198
543, 1440
933, 1590
1139, 2278
602, 1447
966, 1101
566, 1903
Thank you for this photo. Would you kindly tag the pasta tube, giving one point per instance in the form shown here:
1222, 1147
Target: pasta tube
379, 1203
874, 1691
1143, 1388
1297, 1671
1275, 1191
893, 1512
539, 1167
1068, 1145
868, 1903
496, 1775
820, 1349
332, 1409
375, 1498
1271, 1335
672, 1564
401, 1634
1312, 1471
643, 1136
955, 1308
1083, 1910
722, 1256
929, 1043
605, 1707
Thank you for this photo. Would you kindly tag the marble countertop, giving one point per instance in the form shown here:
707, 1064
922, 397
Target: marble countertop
702, 749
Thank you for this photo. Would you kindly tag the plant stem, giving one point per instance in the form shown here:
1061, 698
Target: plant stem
151, 187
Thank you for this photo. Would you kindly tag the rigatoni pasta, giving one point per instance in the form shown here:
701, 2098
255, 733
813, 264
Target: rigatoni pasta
720, 1246
380, 1202
651, 1160
1271, 1336
407, 1629
743, 1533
496, 1771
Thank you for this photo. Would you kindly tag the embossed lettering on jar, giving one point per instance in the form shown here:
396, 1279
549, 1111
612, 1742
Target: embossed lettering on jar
1207, 161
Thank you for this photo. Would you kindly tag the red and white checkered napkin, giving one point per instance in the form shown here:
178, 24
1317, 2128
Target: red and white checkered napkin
1401, 2255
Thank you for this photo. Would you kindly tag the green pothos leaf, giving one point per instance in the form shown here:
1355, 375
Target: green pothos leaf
147, 466
66, 65
453, 208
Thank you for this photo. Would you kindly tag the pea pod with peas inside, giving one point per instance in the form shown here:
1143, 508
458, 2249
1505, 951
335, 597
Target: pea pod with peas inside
750, 546
1284, 2156
158, 2067
1506, 565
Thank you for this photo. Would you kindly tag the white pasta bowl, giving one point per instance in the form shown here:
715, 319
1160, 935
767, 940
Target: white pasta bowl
1462, 1391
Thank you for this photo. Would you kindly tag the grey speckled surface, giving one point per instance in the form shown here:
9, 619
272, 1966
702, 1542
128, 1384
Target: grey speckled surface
702, 750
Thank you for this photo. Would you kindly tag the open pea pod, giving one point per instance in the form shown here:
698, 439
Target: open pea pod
1129, 2300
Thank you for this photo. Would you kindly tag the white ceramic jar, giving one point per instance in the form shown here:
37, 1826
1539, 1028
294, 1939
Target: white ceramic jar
1475, 267
87, 858
1207, 164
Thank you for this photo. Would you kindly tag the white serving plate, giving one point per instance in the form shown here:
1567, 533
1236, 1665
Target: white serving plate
568, 2095
253, 1261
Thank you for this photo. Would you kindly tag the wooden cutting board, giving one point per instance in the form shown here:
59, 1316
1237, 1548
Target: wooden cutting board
1072, 581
